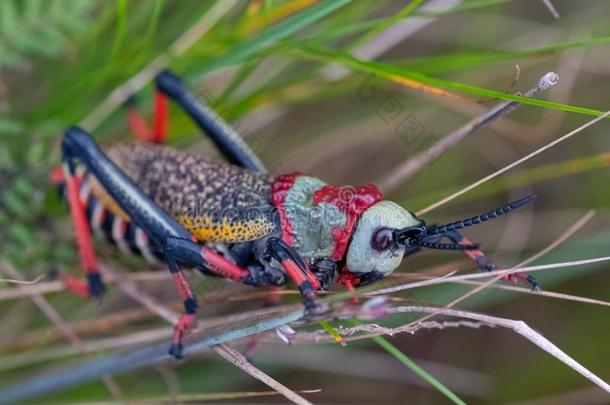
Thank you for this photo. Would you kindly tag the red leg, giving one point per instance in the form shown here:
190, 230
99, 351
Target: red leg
83, 240
349, 281
139, 126
297, 270
486, 264
160, 117
137, 123
188, 318
201, 257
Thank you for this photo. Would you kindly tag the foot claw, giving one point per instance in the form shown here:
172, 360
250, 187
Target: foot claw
485, 263
533, 283
311, 308
96, 287
175, 350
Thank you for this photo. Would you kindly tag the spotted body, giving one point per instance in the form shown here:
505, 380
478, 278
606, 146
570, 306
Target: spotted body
217, 203
225, 204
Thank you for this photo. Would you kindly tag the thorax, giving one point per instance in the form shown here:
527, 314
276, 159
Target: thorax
317, 218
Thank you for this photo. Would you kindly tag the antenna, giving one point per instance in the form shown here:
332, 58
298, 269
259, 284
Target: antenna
435, 230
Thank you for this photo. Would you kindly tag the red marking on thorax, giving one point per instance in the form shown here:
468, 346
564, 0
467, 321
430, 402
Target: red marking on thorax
279, 190
352, 201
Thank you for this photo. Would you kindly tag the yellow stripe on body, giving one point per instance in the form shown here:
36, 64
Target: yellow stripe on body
204, 229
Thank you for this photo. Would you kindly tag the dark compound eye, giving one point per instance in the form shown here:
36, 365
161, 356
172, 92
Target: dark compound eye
382, 239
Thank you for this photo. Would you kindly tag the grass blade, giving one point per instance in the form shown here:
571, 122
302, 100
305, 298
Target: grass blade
400, 75
269, 37
400, 356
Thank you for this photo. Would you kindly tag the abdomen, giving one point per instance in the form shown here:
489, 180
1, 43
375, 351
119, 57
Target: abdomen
215, 202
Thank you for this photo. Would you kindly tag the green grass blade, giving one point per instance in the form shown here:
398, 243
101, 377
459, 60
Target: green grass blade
390, 71
268, 37
332, 332
121, 27
403, 13
400, 356
445, 63
151, 30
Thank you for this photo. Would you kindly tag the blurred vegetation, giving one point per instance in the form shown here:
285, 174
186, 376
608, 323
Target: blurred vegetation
271, 69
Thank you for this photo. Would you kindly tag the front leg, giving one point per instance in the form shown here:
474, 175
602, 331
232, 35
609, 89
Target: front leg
297, 270
486, 264
325, 269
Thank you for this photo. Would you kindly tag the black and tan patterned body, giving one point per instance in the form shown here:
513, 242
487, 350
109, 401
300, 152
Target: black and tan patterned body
215, 202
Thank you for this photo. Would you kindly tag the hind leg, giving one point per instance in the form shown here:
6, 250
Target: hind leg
139, 125
226, 139
78, 146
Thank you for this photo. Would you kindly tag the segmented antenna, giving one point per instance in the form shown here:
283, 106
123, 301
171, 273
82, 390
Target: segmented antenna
447, 246
435, 230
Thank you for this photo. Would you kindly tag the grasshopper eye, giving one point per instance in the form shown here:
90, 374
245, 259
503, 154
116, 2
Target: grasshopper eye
382, 239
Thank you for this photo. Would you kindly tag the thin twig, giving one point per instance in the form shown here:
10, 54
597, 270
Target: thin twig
235, 357
144, 299
64, 328
517, 326
562, 238
21, 282
513, 164
521, 328
551, 8
57, 286
451, 279
223, 350
542, 293
406, 170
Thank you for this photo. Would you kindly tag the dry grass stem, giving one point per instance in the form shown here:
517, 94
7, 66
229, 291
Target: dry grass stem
451, 279
521, 328
406, 170
236, 358
513, 164
63, 327
563, 237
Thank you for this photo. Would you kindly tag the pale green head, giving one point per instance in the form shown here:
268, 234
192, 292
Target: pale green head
386, 232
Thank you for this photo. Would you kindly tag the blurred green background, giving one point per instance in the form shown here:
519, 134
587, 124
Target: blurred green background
280, 71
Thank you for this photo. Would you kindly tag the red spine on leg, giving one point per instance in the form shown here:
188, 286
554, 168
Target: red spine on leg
81, 227
294, 272
184, 289
75, 285
315, 283
299, 276
221, 266
185, 322
138, 125
160, 118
